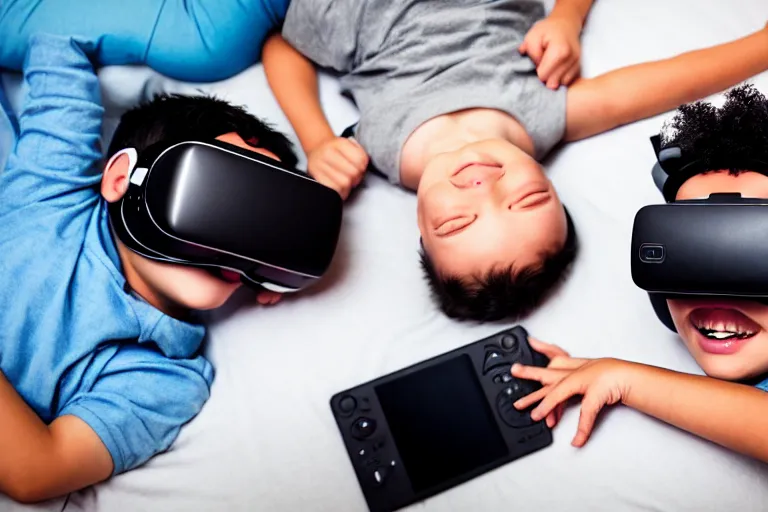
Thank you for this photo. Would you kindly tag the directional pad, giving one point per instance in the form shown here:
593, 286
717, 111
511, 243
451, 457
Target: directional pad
493, 359
505, 403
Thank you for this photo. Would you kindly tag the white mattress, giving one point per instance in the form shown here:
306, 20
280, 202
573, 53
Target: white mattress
266, 440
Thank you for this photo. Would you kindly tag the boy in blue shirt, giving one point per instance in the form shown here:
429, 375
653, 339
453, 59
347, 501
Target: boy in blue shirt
100, 361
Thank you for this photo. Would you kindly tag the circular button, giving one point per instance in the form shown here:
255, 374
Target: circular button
508, 342
363, 428
347, 404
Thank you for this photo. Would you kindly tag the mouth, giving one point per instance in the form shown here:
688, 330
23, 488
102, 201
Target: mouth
476, 173
722, 330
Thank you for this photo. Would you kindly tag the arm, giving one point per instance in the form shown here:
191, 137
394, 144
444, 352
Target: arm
39, 462
293, 80
133, 411
576, 9
636, 92
59, 129
335, 162
732, 415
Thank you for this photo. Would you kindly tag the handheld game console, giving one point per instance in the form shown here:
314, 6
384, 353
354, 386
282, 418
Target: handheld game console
424, 429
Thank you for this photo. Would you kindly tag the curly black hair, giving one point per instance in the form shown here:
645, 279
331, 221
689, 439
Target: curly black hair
733, 137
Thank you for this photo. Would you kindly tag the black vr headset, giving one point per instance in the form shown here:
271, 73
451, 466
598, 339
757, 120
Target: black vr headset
218, 206
713, 247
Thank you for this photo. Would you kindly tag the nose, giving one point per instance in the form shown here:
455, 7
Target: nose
477, 176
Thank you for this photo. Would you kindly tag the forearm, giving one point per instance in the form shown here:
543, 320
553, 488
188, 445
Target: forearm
636, 92
39, 462
24, 441
574, 9
732, 415
293, 80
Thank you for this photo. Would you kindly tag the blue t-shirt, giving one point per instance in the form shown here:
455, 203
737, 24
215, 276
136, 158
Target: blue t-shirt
190, 40
73, 341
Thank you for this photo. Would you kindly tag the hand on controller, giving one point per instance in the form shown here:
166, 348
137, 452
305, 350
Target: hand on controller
554, 46
338, 163
600, 382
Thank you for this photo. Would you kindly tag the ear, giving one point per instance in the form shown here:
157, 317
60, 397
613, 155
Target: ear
117, 172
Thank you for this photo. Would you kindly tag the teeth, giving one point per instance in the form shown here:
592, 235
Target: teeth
724, 334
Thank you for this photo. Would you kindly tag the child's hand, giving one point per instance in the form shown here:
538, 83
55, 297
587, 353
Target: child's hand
553, 45
558, 359
338, 163
268, 297
600, 381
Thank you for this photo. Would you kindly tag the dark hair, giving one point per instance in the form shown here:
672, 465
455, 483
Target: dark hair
501, 293
732, 137
173, 118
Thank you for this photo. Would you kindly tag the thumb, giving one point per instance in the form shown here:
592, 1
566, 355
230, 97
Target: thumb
523, 48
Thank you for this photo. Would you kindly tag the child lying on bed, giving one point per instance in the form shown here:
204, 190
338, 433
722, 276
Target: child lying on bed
728, 338
192, 40
100, 361
449, 108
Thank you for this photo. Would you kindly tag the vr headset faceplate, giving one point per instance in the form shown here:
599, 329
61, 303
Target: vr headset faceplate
212, 204
715, 247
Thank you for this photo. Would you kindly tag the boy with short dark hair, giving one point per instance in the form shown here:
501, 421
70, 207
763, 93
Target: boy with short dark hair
100, 350
450, 108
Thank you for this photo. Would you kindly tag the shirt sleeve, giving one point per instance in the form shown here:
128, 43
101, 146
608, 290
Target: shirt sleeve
324, 31
140, 401
58, 143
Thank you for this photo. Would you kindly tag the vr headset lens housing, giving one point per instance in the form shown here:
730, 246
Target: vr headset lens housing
212, 204
713, 247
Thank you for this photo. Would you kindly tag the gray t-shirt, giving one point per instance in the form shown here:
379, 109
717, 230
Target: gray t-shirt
407, 61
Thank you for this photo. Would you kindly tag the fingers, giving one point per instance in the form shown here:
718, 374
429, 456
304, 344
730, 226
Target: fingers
549, 350
268, 298
590, 408
561, 392
556, 55
354, 153
328, 176
533, 45
532, 398
544, 375
339, 164
556, 78
572, 74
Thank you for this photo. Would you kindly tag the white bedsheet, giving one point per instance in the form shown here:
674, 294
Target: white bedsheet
266, 440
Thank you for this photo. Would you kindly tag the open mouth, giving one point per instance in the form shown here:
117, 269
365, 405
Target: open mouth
723, 324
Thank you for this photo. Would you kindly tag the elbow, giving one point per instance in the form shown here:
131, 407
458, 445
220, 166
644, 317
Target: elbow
26, 491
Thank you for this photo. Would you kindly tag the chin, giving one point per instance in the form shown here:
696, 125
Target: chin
201, 291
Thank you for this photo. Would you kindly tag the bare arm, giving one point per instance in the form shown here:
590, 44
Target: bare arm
335, 162
293, 80
578, 9
732, 415
596, 105
39, 462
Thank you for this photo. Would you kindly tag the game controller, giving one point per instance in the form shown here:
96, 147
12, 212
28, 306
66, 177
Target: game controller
421, 430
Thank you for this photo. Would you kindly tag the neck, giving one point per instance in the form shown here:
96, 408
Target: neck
451, 132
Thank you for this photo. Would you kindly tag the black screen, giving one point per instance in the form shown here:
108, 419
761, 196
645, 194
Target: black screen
441, 422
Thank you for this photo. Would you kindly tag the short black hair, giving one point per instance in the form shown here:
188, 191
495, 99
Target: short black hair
501, 293
173, 118
733, 137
